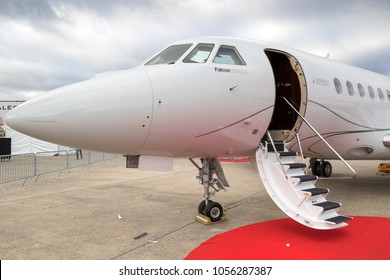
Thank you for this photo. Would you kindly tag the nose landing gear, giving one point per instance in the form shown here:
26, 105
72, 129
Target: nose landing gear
208, 210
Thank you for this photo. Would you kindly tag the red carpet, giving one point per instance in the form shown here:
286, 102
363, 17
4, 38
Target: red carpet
366, 238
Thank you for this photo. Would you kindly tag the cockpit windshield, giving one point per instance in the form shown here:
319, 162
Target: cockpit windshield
169, 55
228, 55
199, 54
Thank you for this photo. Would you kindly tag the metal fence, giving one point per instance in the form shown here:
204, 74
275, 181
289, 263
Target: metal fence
32, 166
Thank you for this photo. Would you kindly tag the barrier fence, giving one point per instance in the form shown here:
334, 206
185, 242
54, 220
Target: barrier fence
32, 166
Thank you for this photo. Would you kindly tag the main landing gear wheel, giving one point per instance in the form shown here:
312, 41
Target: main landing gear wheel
326, 169
321, 168
316, 168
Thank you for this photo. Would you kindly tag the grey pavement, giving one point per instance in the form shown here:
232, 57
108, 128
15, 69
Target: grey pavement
110, 212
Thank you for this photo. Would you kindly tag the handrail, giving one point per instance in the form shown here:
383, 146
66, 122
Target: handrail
300, 146
322, 138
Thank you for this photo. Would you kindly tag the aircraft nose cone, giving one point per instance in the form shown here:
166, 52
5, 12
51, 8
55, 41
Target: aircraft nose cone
110, 113
22, 118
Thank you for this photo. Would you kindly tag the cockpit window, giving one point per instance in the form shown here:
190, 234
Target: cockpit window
228, 55
169, 55
200, 54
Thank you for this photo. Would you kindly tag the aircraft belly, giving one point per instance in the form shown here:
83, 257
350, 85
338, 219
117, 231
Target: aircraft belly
236, 139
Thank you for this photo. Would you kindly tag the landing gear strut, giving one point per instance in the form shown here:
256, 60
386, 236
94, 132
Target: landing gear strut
321, 168
210, 167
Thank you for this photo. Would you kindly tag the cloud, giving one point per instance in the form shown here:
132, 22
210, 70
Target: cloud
50, 43
34, 10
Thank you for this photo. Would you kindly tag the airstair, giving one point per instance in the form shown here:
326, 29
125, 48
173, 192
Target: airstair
293, 190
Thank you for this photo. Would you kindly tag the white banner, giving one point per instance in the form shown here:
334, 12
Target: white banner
262, 269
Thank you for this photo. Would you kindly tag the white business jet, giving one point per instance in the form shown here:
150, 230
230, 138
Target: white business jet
213, 97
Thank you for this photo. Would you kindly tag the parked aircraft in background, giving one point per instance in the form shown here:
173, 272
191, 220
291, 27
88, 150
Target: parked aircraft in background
214, 97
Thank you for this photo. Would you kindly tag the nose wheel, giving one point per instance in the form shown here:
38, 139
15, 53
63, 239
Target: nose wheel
208, 210
213, 210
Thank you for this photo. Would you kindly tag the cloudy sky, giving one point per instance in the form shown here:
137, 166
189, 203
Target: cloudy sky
45, 44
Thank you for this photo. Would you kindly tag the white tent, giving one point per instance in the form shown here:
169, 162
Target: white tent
21, 143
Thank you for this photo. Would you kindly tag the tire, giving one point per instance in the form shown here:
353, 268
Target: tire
326, 169
202, 206
316, 169
214, 211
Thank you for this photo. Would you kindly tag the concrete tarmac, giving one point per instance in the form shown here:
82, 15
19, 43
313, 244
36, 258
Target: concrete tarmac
110, 212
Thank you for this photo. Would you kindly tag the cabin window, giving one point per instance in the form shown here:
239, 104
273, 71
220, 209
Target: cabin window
350, 88
380, 93
361, 90
337, 85
228, 55
170, 55
371, 92
200, 54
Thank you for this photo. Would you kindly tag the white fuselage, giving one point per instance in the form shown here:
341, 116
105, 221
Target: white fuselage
215, 108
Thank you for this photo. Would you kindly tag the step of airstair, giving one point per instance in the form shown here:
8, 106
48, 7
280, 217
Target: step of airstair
316, 191
294, 191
